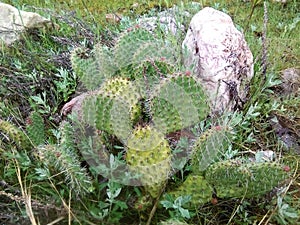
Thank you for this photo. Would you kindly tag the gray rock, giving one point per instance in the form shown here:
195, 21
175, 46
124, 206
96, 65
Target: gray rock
13, 22
290, 81
218, 54
170, 20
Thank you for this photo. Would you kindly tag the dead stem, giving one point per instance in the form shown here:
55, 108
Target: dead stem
26, 195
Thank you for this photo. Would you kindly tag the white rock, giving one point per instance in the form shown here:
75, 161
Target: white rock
14, 21
218, 54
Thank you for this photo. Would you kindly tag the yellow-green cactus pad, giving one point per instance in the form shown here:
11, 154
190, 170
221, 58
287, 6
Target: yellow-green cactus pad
114, 108
14, 135
148, 155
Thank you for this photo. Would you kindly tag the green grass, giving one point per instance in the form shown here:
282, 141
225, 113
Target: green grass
36, 76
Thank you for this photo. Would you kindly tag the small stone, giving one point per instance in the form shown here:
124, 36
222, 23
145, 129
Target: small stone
14, 21
113, 17
135, 5
290, 81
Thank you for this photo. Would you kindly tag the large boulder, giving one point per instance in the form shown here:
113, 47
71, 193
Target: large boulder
14, 21
219, 55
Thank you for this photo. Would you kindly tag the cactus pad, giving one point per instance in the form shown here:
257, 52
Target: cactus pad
233, 178
148, 154
14, 134
177, 103
93, 68
36, 128
209, 148
195, 186
114, 108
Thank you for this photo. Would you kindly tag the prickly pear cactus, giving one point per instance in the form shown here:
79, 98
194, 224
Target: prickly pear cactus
178, 102
92, 67
35, 128
114, 108
226, 179
132, 49
139, 45
233, 178
128, 44
141, 98
209, 148
196, 187
148, 155
13, 135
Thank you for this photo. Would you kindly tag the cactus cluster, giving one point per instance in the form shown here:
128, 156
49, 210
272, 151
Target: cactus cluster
236, 178
141, 98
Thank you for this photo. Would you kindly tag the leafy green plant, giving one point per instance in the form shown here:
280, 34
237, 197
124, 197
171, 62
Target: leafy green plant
176, 208
66, 85
285, 214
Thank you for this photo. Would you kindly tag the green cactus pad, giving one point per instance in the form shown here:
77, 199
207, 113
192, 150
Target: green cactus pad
36, 128
234, 178
93, 68
195, 186
128, 44
114, 108
14, 135
209, 148
148, 154
155, 51
177, 103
